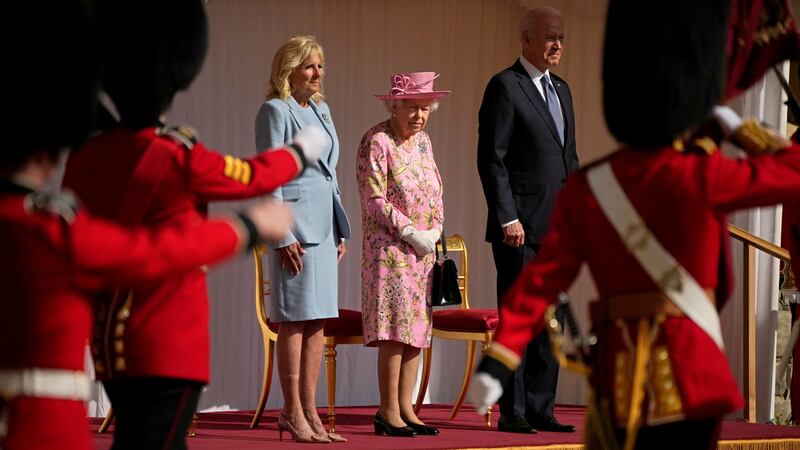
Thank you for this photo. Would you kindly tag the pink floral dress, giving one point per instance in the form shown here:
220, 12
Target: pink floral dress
398, 188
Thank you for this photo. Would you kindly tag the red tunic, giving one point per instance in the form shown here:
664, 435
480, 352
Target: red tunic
683, 198
166, 333
48, 268
791, 236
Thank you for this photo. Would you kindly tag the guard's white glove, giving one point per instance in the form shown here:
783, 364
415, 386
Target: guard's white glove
484, 391
420, 241
727, 119
312, 140
272, 220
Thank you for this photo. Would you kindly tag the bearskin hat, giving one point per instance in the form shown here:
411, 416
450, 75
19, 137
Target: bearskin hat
152, 49
52, 65
762, 33
663, 67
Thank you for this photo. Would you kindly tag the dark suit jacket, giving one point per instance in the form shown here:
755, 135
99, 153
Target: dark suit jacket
521, 161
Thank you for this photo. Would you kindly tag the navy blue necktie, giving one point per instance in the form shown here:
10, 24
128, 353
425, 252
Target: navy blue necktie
554, 106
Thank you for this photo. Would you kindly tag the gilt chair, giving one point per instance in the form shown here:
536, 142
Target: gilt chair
106, 422
345, 329
460, 323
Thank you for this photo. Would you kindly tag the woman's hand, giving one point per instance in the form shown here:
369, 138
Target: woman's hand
433, 235
340, 251
291, 258
420, 241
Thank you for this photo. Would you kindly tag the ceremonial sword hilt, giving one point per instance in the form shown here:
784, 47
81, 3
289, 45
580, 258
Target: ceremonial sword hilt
582, 359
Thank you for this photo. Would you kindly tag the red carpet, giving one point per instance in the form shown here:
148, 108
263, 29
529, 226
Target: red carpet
230, 430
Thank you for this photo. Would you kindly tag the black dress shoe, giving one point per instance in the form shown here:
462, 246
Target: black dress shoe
382, 427
423, 429
514, 424
551, 424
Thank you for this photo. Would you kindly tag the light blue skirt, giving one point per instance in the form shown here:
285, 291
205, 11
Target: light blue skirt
311, 294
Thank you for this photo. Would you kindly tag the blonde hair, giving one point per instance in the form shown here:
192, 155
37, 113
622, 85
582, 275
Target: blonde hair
289, 57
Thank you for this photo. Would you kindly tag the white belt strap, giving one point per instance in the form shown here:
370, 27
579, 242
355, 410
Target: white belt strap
44, 383
676, 283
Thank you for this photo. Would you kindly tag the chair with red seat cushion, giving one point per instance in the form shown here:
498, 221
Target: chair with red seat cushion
345, 329
461, 324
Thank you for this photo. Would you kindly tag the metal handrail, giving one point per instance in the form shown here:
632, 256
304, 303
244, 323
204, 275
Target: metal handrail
751, 244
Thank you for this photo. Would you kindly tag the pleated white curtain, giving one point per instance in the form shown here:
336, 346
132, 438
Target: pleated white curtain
763, 101
365, 41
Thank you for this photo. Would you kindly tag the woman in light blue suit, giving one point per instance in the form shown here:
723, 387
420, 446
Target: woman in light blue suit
303, 266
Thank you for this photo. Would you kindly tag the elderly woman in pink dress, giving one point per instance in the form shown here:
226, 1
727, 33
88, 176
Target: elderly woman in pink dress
402, 214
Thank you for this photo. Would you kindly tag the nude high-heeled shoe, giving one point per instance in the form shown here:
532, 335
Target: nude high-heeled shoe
305, 435
319, 428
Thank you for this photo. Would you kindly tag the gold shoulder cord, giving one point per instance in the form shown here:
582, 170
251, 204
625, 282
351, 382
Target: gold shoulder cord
755, 139
600, 431
640, 363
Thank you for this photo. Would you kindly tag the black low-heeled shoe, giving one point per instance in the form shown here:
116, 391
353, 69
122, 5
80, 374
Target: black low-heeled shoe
382, 427
551, 424
423, 429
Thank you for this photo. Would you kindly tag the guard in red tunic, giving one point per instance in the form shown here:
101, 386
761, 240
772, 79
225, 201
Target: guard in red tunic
151, 344
55, 256
649, 221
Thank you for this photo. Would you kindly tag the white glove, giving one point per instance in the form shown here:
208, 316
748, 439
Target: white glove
433, 235
272, 220
312, 140
419, 240
727, 119
484, 391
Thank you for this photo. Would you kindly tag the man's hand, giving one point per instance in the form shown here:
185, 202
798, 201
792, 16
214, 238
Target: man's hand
291, 258
514, 234
341, 249
484, 391
272, 220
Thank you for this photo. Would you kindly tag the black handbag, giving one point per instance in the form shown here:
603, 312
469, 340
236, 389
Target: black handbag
445, 290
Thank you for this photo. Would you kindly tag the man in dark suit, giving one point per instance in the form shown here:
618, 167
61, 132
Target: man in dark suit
526, 149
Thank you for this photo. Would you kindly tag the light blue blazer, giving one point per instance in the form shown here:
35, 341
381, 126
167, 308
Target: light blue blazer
314, 196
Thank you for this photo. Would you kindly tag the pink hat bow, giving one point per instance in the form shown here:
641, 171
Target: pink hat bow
413, 85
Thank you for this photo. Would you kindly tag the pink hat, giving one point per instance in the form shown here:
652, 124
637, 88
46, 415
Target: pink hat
413, 85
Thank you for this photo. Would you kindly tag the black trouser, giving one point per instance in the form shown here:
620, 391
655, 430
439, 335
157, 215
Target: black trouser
684, 435
533, 391
152, 413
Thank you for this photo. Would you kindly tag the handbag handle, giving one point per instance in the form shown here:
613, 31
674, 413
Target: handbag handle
444, 246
